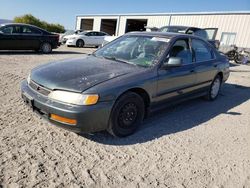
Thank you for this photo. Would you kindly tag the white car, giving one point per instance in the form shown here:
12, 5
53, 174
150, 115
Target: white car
64, 36
108, 39
86, 38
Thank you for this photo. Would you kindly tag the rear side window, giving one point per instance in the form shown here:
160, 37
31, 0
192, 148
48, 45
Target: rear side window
101, 34
201, 51
30, 30
90, 34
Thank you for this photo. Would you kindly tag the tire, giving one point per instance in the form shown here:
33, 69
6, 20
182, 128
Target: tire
127, 114
239, 59
80, 43
46, 48
231, 55
214, 88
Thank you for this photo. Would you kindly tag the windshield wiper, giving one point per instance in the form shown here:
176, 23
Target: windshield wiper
119, 60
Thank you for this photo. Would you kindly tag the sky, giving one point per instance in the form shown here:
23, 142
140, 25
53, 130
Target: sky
64, 11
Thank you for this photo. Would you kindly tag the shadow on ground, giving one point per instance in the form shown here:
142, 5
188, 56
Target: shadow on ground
181, 117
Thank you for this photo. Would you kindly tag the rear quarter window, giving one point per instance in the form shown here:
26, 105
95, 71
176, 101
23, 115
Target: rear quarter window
201, 51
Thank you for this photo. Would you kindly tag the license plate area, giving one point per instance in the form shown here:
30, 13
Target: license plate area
28, 100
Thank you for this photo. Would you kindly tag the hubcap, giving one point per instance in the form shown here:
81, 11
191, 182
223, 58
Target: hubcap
127, 115
46, 48
80, 43
215, 88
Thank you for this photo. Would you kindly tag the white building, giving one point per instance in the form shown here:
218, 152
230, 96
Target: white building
233, 27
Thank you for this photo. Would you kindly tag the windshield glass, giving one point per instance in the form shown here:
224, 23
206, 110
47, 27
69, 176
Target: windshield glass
81, 33
137, 50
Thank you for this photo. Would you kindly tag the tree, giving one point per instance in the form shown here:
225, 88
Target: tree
30, 19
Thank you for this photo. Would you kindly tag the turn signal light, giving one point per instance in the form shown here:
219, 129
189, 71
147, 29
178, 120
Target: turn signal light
91, 99
63, 119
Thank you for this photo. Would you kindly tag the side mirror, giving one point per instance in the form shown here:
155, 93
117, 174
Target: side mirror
173, 62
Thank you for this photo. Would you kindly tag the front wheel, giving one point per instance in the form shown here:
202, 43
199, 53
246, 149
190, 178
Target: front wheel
46, 48
214, 89
127, 114
80, 43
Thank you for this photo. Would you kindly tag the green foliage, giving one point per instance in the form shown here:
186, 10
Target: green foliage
30, 19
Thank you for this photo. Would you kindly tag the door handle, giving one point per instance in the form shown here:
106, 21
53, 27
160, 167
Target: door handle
215, 65
191, 71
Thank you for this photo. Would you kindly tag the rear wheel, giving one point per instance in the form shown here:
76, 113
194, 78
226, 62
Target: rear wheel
214, 89
46, 48
127, 114
80, 43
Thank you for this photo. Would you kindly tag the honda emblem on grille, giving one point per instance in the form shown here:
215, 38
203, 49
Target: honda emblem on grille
38, 88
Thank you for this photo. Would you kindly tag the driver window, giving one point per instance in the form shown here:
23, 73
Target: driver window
7, 30
181, 49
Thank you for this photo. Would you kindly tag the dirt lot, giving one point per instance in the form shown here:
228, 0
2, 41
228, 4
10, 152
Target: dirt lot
194, 144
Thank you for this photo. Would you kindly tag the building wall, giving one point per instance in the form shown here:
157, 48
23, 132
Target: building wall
153, 21
238, 23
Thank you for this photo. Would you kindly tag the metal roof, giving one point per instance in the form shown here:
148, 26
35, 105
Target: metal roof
169, 14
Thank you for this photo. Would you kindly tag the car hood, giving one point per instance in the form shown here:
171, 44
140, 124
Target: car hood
78, 75
70, 36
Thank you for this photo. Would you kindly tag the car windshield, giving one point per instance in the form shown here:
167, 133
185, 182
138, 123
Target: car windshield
81, 33
137, 50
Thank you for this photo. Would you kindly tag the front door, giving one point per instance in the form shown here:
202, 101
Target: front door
176, 81
10, 37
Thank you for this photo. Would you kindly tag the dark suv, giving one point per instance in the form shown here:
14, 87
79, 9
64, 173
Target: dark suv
208, 34
27, 37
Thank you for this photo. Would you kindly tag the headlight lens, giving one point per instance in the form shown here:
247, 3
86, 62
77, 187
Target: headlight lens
28, 79
74, 98
72, 38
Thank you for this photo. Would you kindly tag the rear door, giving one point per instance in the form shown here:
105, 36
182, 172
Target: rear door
99, 36
176, 81
30, 38
90, 38
205, 63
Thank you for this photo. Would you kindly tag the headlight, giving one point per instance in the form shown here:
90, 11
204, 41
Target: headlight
72, 38
74, 98
28, 79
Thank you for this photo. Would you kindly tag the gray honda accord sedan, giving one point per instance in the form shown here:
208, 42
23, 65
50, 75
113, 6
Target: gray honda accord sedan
115, 88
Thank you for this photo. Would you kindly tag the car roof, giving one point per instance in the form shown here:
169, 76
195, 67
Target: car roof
23, 24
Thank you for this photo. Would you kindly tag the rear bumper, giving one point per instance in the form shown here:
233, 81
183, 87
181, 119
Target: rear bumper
89, 118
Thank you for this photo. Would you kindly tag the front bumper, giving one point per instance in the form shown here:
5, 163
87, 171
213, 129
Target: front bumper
89, 118
71, 42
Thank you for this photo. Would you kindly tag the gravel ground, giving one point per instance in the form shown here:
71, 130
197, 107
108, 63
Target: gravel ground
194, 144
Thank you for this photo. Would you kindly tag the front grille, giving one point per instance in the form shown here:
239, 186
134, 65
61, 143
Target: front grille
38, 88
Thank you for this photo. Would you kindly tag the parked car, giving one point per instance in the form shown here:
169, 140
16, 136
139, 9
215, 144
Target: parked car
114, 88
108, 39
86, 38
27, 37
208, 34
64, 37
